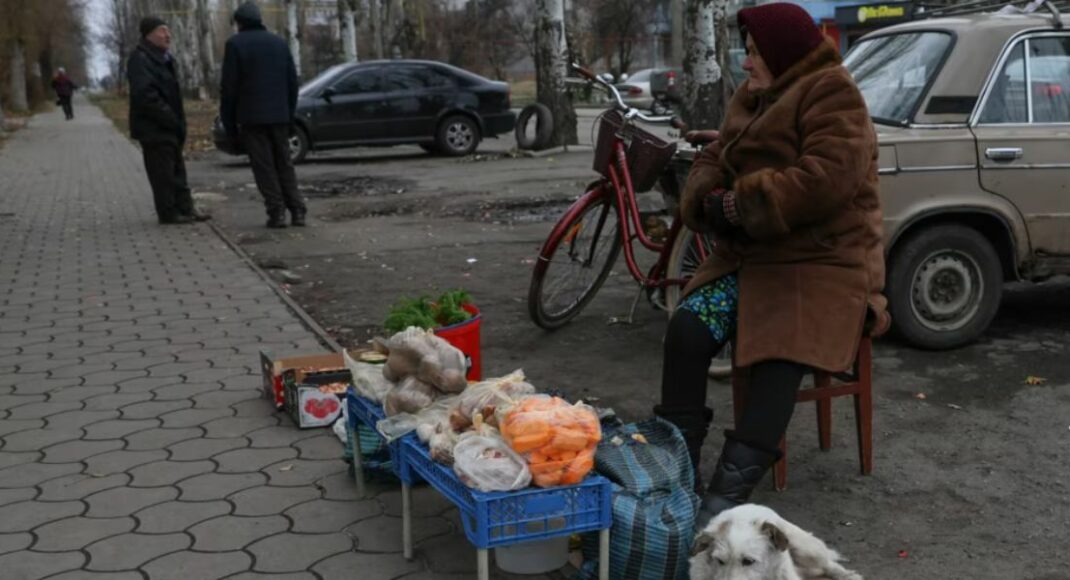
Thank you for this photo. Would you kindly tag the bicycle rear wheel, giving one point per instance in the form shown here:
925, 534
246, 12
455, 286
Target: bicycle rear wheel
688, 252
574, 263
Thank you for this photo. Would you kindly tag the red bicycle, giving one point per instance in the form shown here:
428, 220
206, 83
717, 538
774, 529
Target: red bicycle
584, 245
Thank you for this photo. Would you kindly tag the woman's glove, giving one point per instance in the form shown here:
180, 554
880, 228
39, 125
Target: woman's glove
719, 207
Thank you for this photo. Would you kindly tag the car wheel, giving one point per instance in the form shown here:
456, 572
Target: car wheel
299, 146
457, 136
944, 286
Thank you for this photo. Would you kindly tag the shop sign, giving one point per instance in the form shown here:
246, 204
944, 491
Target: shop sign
874, 14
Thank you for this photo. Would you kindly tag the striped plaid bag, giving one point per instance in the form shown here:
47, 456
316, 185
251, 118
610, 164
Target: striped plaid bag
654, 504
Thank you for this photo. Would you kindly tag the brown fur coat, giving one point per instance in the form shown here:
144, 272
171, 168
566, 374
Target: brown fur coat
802, 159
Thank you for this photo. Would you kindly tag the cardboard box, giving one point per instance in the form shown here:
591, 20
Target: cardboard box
272, 368
307, 405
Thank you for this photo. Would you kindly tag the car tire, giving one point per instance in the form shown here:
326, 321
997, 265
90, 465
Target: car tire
457, 136
544, 127
299, 145
944, 286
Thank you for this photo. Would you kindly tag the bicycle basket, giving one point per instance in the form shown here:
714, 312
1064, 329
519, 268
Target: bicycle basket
647, 154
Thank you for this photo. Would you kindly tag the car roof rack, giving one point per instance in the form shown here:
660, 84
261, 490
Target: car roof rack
1055, 7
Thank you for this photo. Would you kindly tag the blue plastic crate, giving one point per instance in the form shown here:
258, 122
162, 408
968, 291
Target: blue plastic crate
504, 518
368, 413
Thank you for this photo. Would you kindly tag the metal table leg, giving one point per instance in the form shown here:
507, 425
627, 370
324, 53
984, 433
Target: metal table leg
406, 520
603, 554
358, 462
483, 564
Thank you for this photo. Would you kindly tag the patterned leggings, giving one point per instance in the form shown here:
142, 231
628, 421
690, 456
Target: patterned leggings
715, 304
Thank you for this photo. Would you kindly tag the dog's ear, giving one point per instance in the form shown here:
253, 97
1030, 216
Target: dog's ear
706, 538
775, 535
702, 543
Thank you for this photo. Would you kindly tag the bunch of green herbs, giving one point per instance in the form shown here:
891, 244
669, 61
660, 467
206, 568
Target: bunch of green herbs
423, 312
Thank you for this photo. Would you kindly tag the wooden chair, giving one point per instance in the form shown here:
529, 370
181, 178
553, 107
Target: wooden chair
857, 383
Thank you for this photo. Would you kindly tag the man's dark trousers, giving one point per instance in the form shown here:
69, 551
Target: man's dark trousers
68, 110
269, 154
167, 176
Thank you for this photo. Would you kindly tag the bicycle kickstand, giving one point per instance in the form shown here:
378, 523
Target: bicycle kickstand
631, 313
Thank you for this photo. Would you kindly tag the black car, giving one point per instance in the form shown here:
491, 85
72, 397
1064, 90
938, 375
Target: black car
442, 108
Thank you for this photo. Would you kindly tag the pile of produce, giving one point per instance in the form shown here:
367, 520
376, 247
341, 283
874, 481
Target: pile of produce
425, 313
558, 439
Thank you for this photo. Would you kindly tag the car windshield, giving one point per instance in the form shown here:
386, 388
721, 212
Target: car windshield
893, 72
321, 80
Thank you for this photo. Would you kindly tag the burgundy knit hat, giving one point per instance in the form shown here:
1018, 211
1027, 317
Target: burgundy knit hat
784, 34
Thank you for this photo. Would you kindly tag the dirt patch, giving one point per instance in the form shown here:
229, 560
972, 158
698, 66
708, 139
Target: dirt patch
357, 186
513, 211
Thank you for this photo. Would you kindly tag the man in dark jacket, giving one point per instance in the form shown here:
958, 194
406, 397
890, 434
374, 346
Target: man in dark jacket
158, 122
258, 99
64, 87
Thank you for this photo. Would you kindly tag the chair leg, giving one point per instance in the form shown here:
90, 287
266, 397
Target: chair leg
780, 468
864, 408
824, 423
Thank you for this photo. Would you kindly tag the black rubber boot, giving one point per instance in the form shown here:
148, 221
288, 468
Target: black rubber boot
693, 425
277, 219
739, 470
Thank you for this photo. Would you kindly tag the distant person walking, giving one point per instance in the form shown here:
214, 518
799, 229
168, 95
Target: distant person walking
257, 102
64, 87
158, 122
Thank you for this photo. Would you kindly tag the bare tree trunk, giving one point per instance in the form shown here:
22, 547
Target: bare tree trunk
293, 32
205, 38
375, 20
703, 100
551, 69
398, 23
348, 27
3, 124
18, 77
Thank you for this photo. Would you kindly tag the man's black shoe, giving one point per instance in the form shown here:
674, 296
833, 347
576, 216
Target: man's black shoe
277, 221
199, 216
297, 219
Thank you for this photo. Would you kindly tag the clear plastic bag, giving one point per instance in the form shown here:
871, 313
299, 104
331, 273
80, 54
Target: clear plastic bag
426, 421
411, 396
485, 398
558, 439
415, 352
483, 461
368, 380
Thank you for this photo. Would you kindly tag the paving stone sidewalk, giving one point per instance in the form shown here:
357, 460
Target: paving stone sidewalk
133, 440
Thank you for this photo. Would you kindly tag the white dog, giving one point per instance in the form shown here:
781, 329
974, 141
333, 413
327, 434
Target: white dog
752, 542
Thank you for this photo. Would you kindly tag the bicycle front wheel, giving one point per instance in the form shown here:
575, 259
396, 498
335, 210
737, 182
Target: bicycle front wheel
574, 262
689, 251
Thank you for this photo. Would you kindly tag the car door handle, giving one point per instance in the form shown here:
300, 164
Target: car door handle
1004, 153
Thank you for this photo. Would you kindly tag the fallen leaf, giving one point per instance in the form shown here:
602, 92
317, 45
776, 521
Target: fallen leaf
954, 406
903, 554
920, 396
287, 467
1031, 380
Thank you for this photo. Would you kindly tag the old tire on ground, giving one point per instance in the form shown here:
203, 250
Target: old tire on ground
457, 136
299, 145
944, 286
544, 127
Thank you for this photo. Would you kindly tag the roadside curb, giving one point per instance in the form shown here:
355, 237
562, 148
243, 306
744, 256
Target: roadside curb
306, 319
557, 151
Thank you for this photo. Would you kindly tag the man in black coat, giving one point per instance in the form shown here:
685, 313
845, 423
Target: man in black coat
64, 87
158, 122
258, 99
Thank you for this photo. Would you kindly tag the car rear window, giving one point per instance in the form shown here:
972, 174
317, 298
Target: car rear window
894, 71
1034, 89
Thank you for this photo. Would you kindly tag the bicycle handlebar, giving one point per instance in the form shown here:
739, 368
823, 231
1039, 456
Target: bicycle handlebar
629, 112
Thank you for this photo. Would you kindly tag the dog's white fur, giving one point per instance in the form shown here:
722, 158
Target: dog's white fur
752, 542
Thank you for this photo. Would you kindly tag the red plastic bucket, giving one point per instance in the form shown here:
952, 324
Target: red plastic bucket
465, 336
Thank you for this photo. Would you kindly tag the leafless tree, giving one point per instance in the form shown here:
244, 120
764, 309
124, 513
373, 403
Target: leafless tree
347, 27
552, 69
705, 39
622, 25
